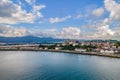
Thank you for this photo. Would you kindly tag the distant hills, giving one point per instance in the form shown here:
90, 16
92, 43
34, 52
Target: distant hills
30, 39
45, 40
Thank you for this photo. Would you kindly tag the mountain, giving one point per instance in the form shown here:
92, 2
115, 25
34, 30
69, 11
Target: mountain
45, 40
30, 39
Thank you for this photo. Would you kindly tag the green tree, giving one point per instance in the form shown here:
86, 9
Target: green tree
117, 44
68, 47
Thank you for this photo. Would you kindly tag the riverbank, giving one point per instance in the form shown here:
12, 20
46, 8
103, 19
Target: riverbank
67, 51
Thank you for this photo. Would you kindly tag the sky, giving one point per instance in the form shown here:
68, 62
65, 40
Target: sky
64, 19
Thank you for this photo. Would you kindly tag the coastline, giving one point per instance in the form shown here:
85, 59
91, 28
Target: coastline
67, 51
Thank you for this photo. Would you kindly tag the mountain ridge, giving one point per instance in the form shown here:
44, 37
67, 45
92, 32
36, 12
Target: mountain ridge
29, 39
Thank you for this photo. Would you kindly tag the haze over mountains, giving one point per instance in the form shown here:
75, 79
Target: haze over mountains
29, 39
34, 39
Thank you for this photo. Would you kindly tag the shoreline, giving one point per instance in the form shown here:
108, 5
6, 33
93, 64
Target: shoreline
68, 51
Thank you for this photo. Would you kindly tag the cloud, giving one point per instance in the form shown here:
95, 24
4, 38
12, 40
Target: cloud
12, 13
106, 28
99, 30
81, 16
104, 32
36, 10
113, 8
9, 31
117, 33
65, 33
56, 19
98, 12
30, 1
69, 33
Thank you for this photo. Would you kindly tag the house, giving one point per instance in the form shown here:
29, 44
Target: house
46, 48
63, 44
57, 48
41, 48
114, 47
118, 47
109, 51
74, 44
102, 51
97, 50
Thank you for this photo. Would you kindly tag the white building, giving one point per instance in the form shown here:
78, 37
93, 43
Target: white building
63, 44
46, 48
108, 51
74, 44
80, 50
57, 48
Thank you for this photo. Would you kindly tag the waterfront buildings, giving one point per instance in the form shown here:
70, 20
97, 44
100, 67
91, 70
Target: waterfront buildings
80, 50
72, 45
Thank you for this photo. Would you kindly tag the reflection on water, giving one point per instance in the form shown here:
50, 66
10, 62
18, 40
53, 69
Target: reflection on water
28, 65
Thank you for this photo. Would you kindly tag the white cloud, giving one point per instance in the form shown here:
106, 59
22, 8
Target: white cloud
114, 8
11, 13
102, 29
99, 30
56, 19
30, 1
98, 12
9, 31
117, 33
36, 10
104, 32
81, 16
65, 33
69, 33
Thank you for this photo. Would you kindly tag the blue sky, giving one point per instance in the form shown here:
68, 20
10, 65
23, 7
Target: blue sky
79, 19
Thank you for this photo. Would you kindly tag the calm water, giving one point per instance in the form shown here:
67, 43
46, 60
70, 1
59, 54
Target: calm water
26, 65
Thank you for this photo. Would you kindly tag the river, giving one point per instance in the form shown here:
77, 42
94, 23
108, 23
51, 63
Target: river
36, 65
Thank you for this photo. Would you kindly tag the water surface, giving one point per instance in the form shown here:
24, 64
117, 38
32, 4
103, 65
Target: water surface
31, 65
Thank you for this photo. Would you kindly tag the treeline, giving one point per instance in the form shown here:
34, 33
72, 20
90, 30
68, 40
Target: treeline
69, 47
117, 44
102, 40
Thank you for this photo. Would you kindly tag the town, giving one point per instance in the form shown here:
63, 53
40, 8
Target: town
103, 47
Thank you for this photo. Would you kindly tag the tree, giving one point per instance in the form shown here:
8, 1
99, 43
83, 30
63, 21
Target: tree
68, 47
117, 44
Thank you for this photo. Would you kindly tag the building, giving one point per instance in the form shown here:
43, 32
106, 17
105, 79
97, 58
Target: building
46, 48
80, 50
57, 48
109, 51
